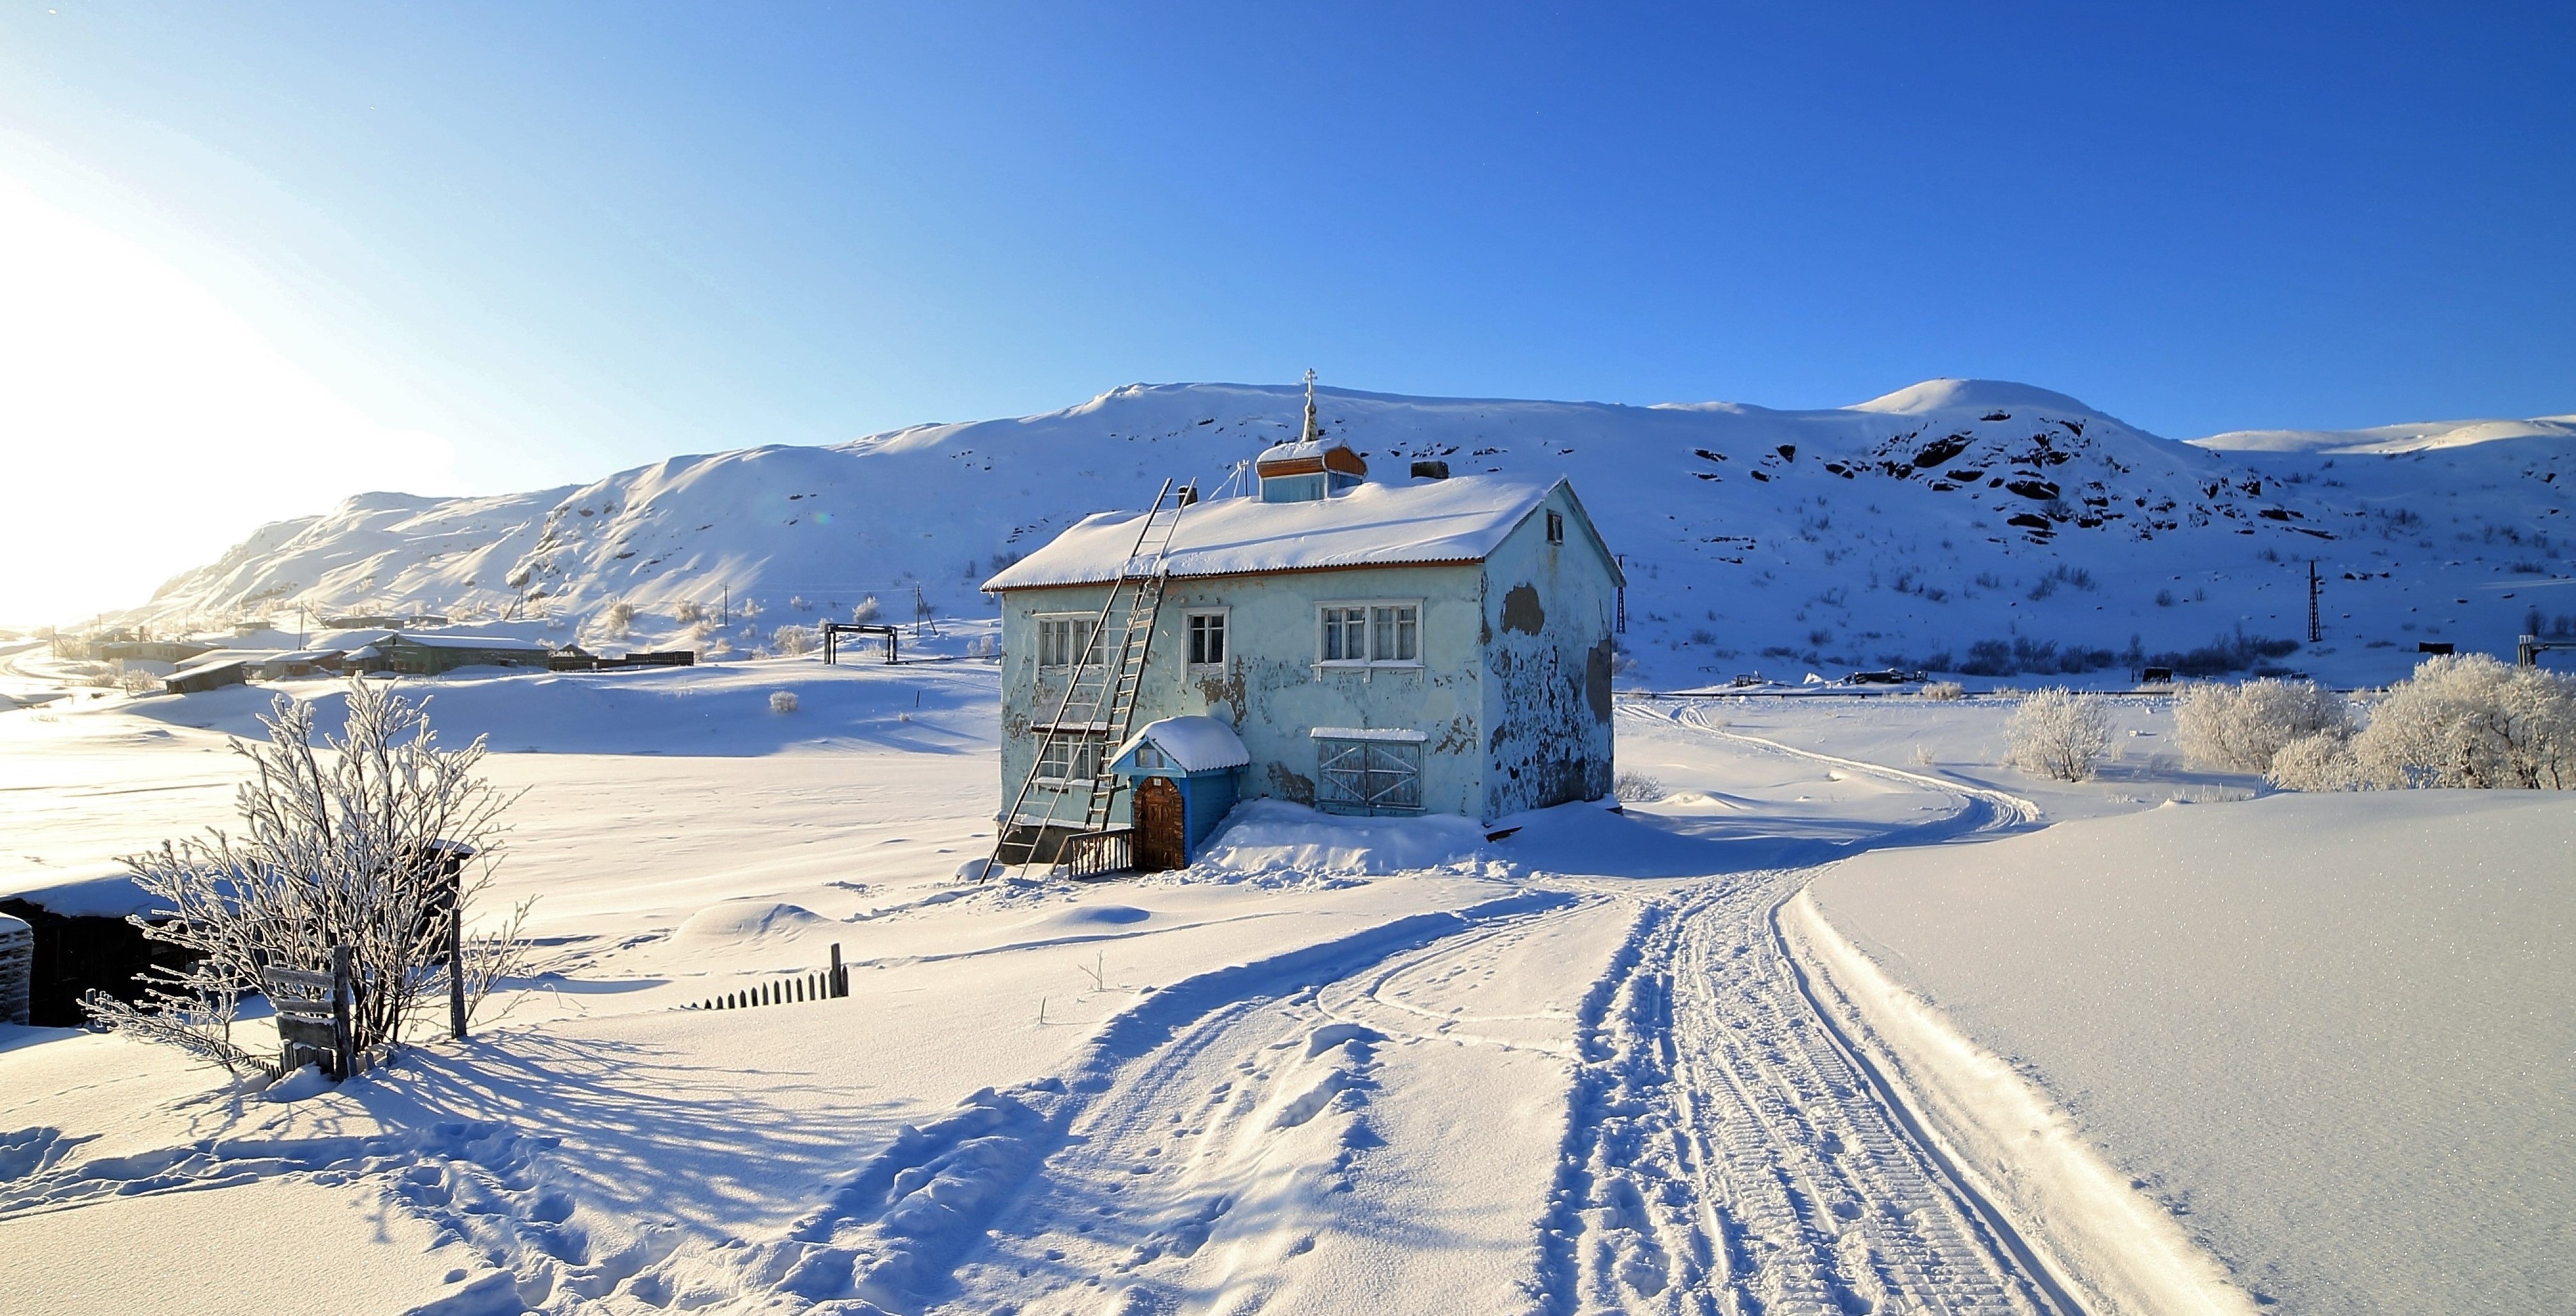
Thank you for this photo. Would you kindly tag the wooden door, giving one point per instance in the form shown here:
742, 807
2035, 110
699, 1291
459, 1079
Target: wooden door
1161, 839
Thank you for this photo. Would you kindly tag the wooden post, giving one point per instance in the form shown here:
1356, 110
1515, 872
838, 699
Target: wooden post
456, 961
344, 1046
840, 975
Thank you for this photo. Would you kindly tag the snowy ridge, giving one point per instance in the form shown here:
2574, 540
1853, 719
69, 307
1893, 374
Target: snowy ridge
2392, 440
1959, 525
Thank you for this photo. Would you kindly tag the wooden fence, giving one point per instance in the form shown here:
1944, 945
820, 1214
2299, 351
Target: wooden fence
1090, 854
820, 985
313, 1016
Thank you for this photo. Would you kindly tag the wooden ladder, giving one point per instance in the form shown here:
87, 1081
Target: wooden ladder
1099, 696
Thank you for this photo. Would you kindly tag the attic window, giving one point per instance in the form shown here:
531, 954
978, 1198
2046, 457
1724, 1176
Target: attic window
1556, 527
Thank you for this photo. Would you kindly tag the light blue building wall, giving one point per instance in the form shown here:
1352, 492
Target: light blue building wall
1505, 702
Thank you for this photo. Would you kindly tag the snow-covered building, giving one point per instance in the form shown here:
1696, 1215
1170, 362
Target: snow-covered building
429, 655
1427, 646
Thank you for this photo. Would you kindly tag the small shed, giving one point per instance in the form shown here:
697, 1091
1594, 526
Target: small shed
1181, 773
211, 676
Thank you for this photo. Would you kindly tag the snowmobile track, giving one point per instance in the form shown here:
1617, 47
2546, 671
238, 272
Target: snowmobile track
1726, 1155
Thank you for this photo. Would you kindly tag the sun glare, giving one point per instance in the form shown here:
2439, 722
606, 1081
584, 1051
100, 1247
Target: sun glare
145, 423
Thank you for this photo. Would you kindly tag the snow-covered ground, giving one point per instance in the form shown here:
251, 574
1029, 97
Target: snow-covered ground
2340, 1030
1342, 1065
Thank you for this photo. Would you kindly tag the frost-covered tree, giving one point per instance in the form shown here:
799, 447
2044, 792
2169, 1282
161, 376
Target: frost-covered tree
2241, 728
2058, 733
2462, 721
2469, 721
343, 843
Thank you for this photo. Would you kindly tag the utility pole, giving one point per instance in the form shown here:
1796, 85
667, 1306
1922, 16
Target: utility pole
2316, 626
724, 614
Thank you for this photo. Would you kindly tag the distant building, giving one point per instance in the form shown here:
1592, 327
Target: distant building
207, 676
303, 663
1442, 646
430, 655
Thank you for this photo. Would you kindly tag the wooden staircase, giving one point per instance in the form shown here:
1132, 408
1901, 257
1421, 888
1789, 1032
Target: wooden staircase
1099, 704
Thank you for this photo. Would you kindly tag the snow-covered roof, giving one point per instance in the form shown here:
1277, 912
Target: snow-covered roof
1293, 449
466, 642
1194, 744
223, 658
1460, 520
306, 656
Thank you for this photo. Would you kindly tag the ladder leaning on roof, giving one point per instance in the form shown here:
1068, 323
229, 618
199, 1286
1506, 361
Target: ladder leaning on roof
1099, 702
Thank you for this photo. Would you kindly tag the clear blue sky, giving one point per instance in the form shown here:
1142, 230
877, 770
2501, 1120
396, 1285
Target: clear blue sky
561, 239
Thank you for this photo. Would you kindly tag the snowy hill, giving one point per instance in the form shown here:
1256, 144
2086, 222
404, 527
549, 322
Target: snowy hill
1962, 525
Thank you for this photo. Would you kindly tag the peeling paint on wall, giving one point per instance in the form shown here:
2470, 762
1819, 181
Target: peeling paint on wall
1294, 787
1521, 611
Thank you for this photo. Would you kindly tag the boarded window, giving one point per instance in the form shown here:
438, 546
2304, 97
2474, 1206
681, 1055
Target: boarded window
1207, 639
1368, 776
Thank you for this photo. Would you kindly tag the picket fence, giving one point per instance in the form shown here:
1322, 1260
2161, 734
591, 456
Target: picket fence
820, 985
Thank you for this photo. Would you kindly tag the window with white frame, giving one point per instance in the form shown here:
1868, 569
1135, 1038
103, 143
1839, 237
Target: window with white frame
1070, 756
1207, 638
1061, 638
1372, 634
1368, 776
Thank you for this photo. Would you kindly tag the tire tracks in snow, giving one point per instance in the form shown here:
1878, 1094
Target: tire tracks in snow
1204, 1101
1727, 1152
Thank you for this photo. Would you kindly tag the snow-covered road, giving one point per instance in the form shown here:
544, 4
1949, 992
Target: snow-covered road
1728, 1156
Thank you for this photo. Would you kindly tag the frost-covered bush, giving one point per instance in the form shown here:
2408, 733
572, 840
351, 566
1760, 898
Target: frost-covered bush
2469, 721
1637, 788
2240, 728
782, 701
1944, 690
793, 641
343, 844
865, 610
137, 681
2058, 733
2462, 721
2321, 763
689, 612
617, 621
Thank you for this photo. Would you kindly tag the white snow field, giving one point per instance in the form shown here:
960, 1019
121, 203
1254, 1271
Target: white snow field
2338, 1031
1339, 1066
